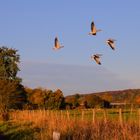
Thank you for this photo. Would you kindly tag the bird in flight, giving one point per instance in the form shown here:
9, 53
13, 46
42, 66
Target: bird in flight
110, 42
93, 29
56, 44
96, 57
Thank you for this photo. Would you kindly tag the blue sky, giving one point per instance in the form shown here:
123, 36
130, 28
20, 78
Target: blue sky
30, 26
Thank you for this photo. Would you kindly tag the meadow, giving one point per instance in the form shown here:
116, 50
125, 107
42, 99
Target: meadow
86, 124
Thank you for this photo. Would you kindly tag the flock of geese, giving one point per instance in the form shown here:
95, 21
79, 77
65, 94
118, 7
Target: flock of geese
96, 57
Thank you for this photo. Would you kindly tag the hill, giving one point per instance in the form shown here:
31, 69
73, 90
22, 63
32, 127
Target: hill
129, 96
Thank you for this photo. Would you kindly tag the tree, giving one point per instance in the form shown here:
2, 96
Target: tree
18, 99
93, 101
59, 99
72, 101
11, 90
36, 98
54, 100
9, 60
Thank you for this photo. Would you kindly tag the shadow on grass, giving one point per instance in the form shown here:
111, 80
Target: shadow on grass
2, 137
10, 131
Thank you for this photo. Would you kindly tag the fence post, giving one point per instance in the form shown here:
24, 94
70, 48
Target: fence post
104, 112
139, 116
131, 110
93, 119
61, 114
56, 135
120, 117
44, 114
68, 115
82, 115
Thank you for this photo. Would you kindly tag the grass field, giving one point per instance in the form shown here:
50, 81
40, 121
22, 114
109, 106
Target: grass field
97, 124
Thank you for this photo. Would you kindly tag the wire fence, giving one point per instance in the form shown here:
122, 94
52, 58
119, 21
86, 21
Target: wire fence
92, 115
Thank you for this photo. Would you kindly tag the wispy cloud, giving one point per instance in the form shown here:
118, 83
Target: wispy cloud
71, 78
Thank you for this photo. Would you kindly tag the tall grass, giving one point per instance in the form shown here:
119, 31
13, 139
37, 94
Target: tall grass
78, 125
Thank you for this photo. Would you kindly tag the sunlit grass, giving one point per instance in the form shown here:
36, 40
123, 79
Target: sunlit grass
75, 124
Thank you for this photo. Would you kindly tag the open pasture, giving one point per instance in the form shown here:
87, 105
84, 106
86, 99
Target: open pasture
86, 124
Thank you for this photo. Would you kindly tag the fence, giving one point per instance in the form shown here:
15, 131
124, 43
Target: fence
56, 123
93, 115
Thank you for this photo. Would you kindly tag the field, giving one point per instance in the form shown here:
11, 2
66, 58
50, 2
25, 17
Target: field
89, 124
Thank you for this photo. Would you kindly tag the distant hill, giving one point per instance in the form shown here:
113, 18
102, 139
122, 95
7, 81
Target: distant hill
120, 96
128, 96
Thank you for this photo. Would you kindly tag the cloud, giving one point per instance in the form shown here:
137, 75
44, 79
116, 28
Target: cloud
71, 78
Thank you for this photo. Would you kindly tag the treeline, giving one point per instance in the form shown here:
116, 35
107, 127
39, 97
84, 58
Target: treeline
39, 98
85, 101
20, 97
120, 98
13, 95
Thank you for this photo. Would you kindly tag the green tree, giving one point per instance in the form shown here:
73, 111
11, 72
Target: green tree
9, 60
54, 100
11, 90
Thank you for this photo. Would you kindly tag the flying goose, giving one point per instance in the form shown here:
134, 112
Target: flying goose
56, 44
93, 29
110, 42
96, 57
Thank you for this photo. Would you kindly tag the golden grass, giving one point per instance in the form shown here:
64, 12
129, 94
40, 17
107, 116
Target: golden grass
75, 126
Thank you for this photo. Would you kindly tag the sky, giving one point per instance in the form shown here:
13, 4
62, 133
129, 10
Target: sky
30, 26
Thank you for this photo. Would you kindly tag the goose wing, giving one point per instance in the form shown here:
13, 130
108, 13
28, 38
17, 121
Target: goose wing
111, 44
98, 55
111, 40
92, 26
56, 43
97, 59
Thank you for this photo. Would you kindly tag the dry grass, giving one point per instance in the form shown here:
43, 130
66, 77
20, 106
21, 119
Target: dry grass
42, 123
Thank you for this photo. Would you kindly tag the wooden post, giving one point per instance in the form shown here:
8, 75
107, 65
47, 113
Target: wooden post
61, 115
82, 115
139, 116
93, 119
56, 135
74, 116
44, 114
131, 111
68, 115
104, 112
120, 117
